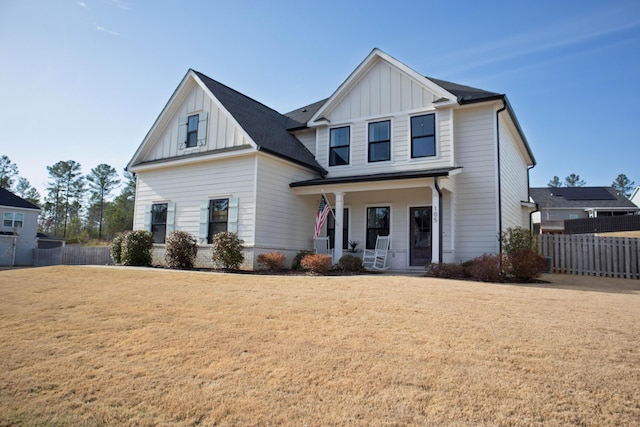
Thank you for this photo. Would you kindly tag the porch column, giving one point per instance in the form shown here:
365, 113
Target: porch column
339, 213
435, 225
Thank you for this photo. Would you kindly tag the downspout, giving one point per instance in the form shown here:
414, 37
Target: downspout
529, 198
440, 232
504, 107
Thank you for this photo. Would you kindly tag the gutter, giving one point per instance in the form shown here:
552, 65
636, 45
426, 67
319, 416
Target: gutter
440, 231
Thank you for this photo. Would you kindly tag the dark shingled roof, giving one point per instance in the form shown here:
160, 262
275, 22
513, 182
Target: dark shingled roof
265, 126
466, 94
302, 115
579, 197
7, 198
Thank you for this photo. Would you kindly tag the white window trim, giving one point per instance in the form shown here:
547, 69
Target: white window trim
381, 162
350, 164
436, 125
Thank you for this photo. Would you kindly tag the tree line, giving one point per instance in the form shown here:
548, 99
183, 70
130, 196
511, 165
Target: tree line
77, 207
622, 184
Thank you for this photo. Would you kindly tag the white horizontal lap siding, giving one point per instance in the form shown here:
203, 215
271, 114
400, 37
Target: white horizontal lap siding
476, 217
187, 186
513, 175
221, 130
308, 139
283, 219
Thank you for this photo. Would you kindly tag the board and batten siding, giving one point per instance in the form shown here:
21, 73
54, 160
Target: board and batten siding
513, 178
476, 204
383, 90
189, 185
283, 219
221, 130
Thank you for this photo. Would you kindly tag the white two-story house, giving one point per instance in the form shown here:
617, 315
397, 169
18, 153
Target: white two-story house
438, 166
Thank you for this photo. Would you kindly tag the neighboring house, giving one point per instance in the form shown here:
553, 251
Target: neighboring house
18, 229
635, 196
439, 166
555, 205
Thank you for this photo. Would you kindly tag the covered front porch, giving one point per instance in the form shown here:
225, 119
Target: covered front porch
414, 208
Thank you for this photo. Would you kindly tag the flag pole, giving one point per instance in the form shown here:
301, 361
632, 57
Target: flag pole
330, 208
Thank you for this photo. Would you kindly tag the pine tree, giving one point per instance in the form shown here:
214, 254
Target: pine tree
102, 180
554, 183
623, 185
8, 171
574, 180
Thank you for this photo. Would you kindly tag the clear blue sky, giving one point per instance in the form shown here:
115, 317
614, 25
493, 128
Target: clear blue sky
85, 80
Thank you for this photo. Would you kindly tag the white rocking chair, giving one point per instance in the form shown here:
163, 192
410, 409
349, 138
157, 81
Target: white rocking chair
377, 258
322, 246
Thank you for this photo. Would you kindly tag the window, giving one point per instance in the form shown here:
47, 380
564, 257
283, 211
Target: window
12, 219
331, 230
192, 131
339, 146
159, 222
379, 141
423, 136
218, 217
377, 224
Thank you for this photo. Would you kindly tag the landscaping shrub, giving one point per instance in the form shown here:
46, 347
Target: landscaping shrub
524, 265
295, 264
136, 248
116, 247
272, 261
517, 239
444, 270
226, 250
316, 263
350, 263
181, 250
487, 268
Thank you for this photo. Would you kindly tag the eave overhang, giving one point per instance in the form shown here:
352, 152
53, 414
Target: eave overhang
390, 176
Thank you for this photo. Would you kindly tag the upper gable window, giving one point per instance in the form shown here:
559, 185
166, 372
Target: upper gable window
192, 131
380, 141
423, 136
339, 146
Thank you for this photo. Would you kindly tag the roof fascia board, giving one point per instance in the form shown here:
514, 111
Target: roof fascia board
375, 55
197, 158
20, 208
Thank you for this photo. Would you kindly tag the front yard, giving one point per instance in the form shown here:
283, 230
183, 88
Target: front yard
129, 346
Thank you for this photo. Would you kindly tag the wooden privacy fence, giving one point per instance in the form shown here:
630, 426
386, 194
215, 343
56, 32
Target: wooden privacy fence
72, 255
587, 254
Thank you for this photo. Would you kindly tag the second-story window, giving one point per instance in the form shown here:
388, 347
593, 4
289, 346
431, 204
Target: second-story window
423, 136
380, 141
192, 131
339, 146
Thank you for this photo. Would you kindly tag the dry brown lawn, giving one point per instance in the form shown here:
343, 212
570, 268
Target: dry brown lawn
125, 346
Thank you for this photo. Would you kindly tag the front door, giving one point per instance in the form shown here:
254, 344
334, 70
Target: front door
420, 232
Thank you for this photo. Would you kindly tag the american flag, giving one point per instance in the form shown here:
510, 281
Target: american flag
323, 212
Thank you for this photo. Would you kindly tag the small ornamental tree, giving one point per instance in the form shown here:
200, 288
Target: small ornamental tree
136, 248
226, 250
116, 247
182, 249
517, 239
